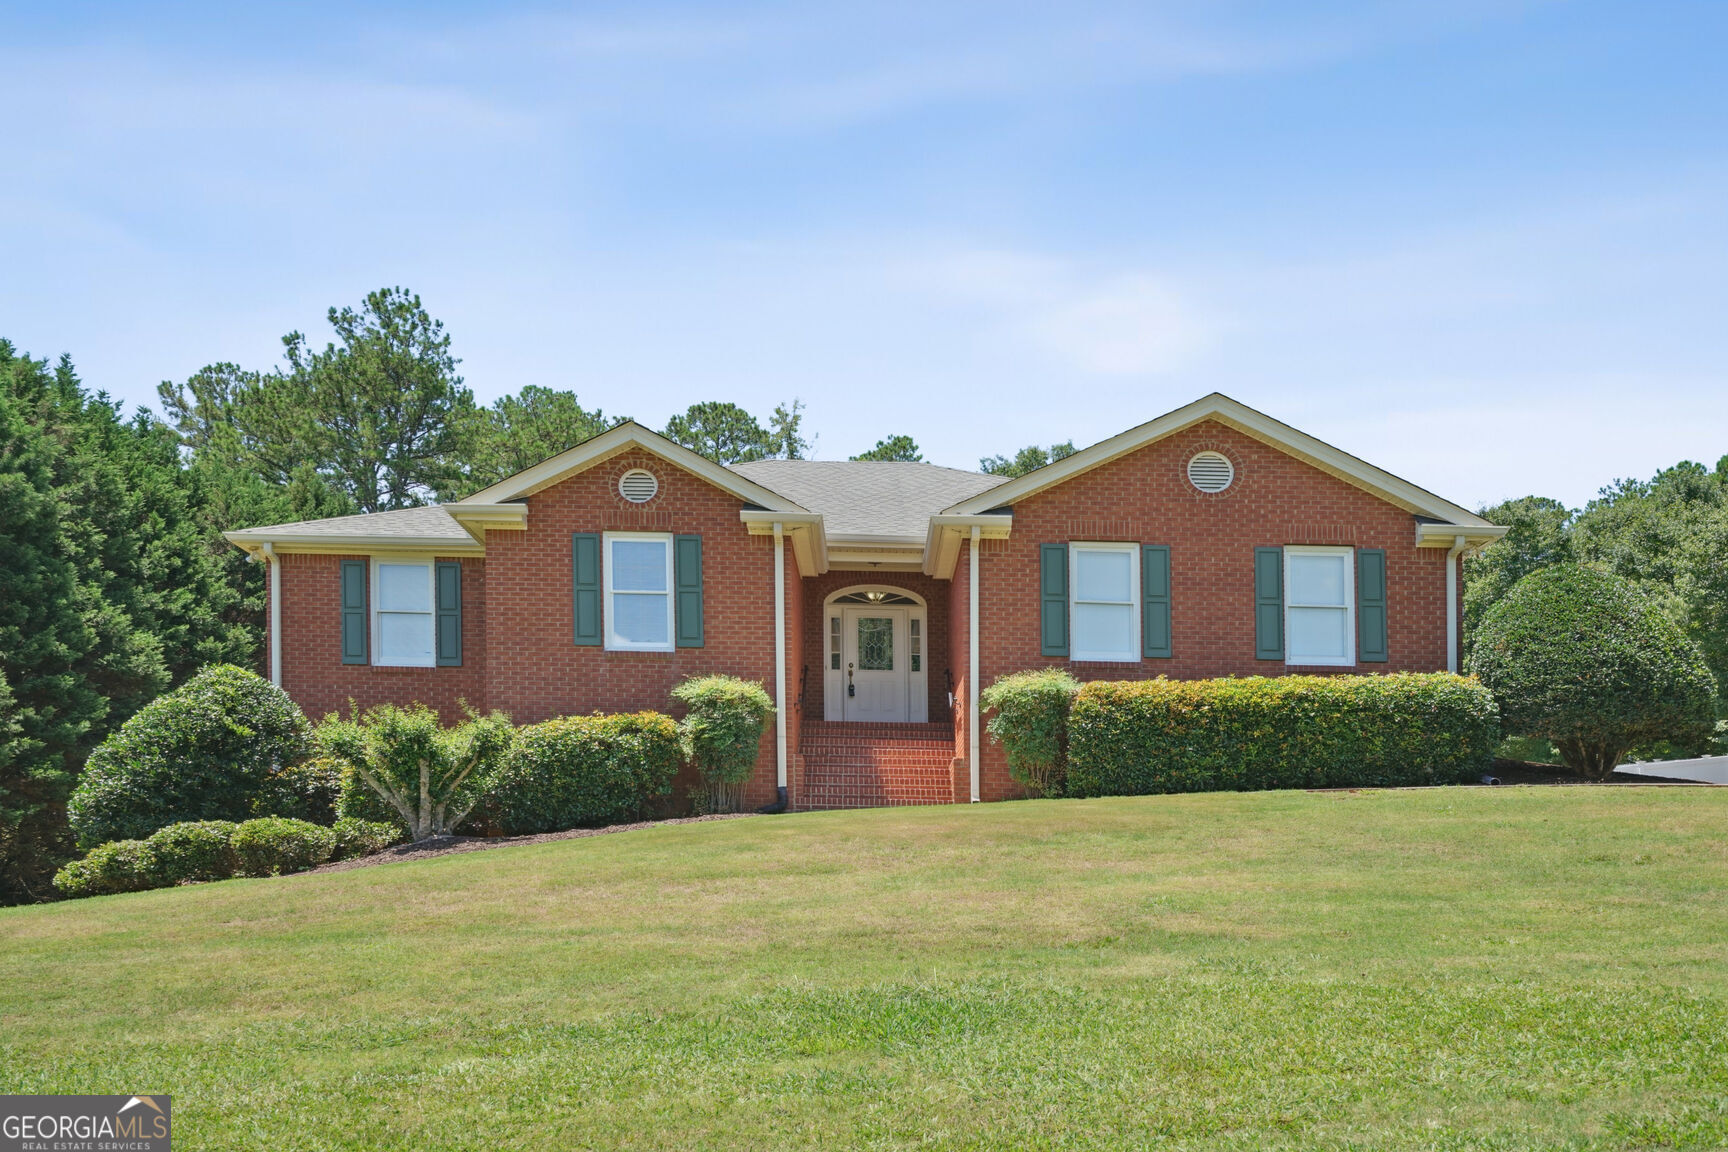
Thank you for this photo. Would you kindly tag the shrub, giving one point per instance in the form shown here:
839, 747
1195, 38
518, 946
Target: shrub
722, 733
309, 790
431, 776
1290, 732
580, 770
354, 837
1586, 659
200, 752
118, 866
192, 852
277, 845
1031, 724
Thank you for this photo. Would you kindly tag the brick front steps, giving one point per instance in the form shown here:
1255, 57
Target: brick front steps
875, 765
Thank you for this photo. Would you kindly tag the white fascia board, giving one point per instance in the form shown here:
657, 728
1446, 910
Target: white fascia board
611, 442
476, 518
253, 543
948, 529
809, 544
1250, 422
1446, 535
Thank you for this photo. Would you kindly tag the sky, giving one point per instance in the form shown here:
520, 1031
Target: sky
1481, 243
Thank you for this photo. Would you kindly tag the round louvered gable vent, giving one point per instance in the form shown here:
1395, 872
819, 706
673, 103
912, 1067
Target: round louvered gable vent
1211, 471
638, 486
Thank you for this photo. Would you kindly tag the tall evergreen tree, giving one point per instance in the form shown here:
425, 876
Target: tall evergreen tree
519, 431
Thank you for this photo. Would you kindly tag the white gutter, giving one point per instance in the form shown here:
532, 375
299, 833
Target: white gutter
779, 661
1458, 543
275, 563
972, 672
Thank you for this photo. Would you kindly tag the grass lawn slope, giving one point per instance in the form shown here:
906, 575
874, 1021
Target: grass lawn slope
1443, 969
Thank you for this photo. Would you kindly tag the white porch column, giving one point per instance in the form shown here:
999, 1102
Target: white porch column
779, 658
275, 563
972, 668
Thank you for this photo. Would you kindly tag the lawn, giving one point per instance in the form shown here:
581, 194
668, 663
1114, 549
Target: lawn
1451, 968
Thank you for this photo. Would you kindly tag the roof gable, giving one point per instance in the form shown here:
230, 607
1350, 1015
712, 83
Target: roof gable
1250, 422
870, 499
621, 438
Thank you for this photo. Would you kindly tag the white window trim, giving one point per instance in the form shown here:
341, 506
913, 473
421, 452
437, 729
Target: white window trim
1349, 555
377, 613
1133, 553
613, 642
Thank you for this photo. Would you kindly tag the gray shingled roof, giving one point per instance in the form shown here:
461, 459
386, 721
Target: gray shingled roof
431, 521
869, 497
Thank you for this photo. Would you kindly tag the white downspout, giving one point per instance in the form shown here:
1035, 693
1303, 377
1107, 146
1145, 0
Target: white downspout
780, 661
275, 563
972, 669
1452, 603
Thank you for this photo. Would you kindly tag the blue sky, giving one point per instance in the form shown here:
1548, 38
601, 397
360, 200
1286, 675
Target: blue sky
1483, 244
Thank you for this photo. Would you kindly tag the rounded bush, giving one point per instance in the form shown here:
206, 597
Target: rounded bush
118, 866
309, 790
1031, 724
722, 731
585, 770
354, 837
200, 752
277, 845
1588, 660
192, 853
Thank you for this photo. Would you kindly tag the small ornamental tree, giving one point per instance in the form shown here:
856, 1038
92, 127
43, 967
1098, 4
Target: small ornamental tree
201, 752
1031, 724
1588, 660
429, 775
722, 732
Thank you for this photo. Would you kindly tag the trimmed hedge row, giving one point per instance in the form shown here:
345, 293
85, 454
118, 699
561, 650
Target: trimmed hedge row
1130, 738
199, 851
579, 770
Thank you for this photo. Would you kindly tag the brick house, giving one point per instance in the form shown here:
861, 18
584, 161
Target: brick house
872, 599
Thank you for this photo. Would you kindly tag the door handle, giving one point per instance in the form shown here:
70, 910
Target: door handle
851, 689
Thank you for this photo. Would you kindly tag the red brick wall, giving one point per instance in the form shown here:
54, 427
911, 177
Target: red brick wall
1146, 497
518, 651
535, 671
934, 593
312, 669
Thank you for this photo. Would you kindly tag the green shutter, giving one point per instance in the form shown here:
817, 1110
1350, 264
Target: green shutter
1268, 603
687, 577
355, 612
1371, 642
449, 618
1155, 601
354, 631
585, 589
1053, 599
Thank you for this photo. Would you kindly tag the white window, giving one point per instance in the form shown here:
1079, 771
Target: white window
402, 599
639, 591
1319, 606
1104, 606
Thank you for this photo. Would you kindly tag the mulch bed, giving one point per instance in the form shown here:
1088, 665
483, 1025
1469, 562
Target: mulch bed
445, 845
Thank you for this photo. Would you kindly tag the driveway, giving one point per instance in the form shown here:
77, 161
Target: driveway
1706, 769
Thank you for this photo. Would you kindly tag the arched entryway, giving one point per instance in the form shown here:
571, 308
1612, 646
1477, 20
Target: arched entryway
875, 655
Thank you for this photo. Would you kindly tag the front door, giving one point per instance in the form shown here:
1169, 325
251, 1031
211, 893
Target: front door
875, 664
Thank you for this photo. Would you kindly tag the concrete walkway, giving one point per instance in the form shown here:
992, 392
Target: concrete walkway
1705, 769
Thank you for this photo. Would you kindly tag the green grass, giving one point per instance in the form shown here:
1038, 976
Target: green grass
1446, 969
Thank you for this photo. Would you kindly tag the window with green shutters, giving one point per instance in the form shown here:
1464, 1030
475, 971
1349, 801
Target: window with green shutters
354, 626
1053, 599
1155, 639
585, 587
449, 613
687, 577
1372, 646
